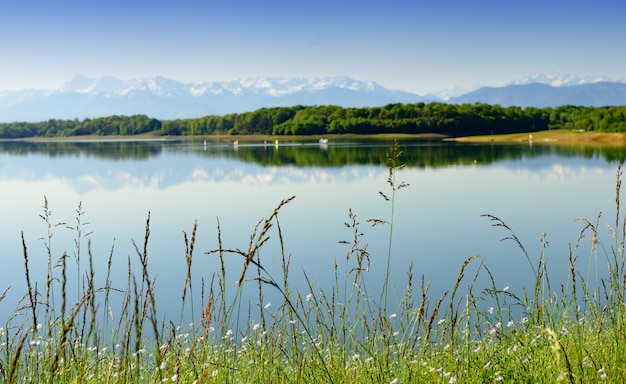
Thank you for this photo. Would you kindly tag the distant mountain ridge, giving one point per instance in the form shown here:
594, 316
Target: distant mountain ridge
543, 95
166, 99
162, 98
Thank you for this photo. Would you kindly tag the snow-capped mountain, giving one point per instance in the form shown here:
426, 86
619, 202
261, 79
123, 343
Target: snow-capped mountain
561, 79
268, 86
162, 98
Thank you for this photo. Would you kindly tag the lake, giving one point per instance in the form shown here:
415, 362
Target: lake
437, 221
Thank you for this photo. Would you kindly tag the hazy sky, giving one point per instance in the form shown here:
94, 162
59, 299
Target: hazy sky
411, 45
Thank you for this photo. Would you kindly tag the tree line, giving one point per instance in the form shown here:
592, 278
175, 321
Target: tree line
441, 118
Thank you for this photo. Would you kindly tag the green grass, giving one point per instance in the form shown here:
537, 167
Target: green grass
573, 331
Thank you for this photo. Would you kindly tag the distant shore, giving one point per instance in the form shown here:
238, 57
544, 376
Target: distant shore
546, 137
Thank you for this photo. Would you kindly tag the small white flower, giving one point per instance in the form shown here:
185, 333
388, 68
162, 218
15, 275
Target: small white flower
292, 322
505, 289
441, 321
267, 305
309, 297
392, 316
394, 381
490, 310
229, 333
510, 324
356, 356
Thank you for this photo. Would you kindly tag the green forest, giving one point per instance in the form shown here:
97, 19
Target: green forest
439, 118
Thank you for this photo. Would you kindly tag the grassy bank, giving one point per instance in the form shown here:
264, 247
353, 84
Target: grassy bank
571, 331
551, 137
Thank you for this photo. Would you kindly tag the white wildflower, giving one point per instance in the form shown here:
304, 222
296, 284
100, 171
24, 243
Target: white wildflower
267, 305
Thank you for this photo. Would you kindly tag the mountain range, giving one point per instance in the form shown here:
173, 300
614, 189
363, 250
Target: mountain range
166, 99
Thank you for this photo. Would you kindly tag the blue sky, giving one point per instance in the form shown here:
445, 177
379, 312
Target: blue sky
416, 46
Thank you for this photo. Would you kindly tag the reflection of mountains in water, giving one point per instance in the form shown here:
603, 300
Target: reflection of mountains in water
111, 165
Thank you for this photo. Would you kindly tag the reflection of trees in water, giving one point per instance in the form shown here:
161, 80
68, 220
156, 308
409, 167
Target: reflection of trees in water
98, 149
338, 153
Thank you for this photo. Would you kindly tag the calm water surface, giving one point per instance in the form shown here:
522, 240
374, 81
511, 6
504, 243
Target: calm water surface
437, 222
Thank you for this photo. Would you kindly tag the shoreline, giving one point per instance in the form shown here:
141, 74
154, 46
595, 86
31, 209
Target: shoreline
540, 137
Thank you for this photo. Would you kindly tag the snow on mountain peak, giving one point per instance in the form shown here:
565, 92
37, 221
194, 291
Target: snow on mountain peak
268, 86
560, 79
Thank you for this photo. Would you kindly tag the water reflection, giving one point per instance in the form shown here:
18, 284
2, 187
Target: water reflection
416, 153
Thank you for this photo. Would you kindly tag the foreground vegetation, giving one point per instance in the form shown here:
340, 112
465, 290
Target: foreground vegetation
355, 332
419, 118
